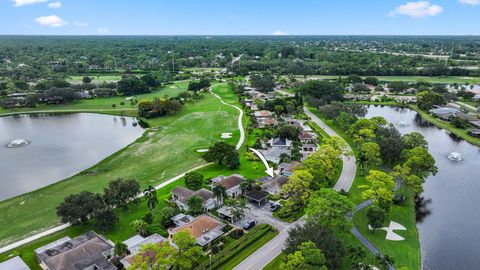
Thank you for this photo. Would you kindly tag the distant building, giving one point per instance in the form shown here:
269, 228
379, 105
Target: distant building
445, 113
87, 251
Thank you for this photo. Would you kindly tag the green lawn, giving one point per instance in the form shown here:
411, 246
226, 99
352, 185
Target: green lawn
105, 104
151, 160
406, 253
276, 262
95, 78
443, 79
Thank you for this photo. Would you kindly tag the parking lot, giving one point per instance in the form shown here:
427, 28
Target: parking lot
261, 215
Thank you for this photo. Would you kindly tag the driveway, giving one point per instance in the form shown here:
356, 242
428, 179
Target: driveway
263, 216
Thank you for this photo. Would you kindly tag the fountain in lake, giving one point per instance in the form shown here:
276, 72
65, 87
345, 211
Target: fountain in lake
17, 143
402, 124
454, 156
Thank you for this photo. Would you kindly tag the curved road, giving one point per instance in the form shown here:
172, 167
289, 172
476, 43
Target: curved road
163, 184
274, 247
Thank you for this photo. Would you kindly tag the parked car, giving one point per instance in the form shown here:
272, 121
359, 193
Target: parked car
274, 206
249, 224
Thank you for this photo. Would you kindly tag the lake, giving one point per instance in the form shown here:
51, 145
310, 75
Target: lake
60, 145
450, 235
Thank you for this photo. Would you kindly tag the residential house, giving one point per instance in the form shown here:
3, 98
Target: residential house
282, 143
275, 186
231, 184
85, 252
204, 229
308, 149
264, 119
15, 263
181, 219
307, 137
287, 169
135, 243
274, 154
444, 113
180, 196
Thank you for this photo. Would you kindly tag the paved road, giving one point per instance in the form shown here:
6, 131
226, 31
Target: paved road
163, 184
272, 249
349, 168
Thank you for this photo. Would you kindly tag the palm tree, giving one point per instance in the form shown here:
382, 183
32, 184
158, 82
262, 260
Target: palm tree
219, 192
151, 196
237, 208
247, 185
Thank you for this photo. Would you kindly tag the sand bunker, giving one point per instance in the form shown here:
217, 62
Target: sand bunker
226, 135
391, 235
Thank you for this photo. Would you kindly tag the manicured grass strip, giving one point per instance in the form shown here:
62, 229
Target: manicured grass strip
237, 251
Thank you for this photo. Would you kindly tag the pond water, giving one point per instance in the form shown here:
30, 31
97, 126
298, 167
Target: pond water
41, 149
450, 233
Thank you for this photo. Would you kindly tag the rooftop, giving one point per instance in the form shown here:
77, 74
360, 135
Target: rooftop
256, 195
204, 229
77, 254
231, 181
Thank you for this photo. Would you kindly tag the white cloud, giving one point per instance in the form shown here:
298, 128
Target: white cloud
102, 30
470, 2
21, 3
279, 33
51, 21
80, 24
57, 4
418, 9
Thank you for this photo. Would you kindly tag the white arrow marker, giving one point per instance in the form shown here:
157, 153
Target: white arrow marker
269, 170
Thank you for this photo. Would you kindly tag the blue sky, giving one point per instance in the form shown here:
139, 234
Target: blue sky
239, 17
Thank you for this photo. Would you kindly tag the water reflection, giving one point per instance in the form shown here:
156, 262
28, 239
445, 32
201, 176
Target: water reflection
422, 209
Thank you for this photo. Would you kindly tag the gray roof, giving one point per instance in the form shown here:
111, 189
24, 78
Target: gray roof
135, 243
79, 253
444, 111
205, 194
15, 263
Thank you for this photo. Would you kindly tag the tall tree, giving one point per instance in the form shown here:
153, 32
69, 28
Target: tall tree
380, 188
120, 192
77, 208
195, 205
151, 196
188, 253
369, 155
194, 180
